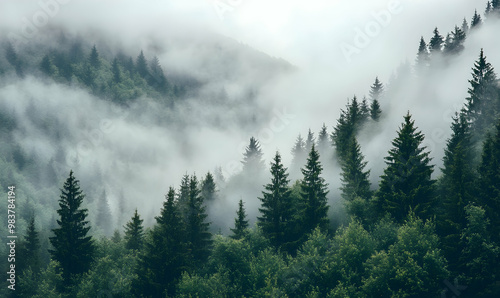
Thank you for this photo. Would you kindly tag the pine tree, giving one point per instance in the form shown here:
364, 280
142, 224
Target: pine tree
375, 110
354, 178
465, 27
134, 232
252, 158
364, 111
406, 183
310, 140
314, 204
436, 42
476, 20
104, 219
298, 156
422, 55
165, 254
197, 229
94, 59
323, 143
157, 78
488, 9
483, 102
73, 249
141, 65
115, 69
208, 188
276, 205
183, 197
240, 223
376, 90
454, 42
489, 181
456, 188
29, 250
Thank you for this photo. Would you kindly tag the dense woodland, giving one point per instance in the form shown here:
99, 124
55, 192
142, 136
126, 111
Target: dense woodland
420, 229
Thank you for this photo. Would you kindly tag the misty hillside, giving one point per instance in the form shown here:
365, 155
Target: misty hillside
181, 157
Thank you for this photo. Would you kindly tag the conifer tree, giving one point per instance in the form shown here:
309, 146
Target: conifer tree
208, 188
29, 250
406, 183
157, 78
73, 248
483, 102
104, 219
276, 205
115, 69
14, 60
488, 9
489, 181
165, 254
314, 204
240, 223
476, 20
183, 197
141, 65
197, 229
375, 110
364, 111
134, 232
94, 59
342, 133
422, 55
456, 188
465, 27
436, 42
376, 89
47, 67
323, 143
354, 178
454, 42
298, 156
310, 140
252, 158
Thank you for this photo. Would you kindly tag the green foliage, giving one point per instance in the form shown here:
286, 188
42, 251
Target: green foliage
406, 183
252, 159
412, 267
208, 188
73, 249
436, 42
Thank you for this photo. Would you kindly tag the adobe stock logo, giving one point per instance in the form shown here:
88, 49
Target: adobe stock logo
365, 35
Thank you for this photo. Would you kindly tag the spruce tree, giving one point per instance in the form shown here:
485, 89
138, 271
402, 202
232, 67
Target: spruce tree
141, 65
134, 232
29, 250
476, 20
310, 140
436, 42
489, 181
276, 205
375, 110
454, 42
115, 69
456, 188
73, 248
488, 9
465, 27
406, 183
364, 111
157, 78
197, 229
314, 204
183, 197
423, 57
252, 159
208, 188
94, 59
483, 102
376, 90
240, 223
165, 254
323, 142
104, 219
299, 156
354, 178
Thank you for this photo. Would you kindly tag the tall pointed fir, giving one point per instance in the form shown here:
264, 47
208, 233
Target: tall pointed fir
376, 91
364, 110
253, 163
197, 229
323, 142
94, 59
104, 219
355, 184
276, 209
310, 140
465, 27
165, 254
72, 247
476, 20
115, 70
299, 156
141, 65
183, 197
423, 56
483, 102
436, 42
406, 183
489, 181
454, 42
29, 250
456, 188
314, 203
157, 78
240, 223
208, 188
134, 233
